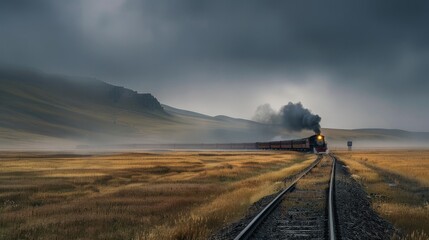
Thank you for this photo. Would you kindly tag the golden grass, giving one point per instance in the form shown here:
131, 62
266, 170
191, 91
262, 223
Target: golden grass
175, 195
411, 164
398, 182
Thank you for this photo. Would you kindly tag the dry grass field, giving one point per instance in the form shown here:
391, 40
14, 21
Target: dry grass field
398, 183
159, 195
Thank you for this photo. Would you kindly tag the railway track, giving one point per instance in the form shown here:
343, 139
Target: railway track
304, 210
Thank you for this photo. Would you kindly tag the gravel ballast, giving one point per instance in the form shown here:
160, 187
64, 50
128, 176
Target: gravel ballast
355, 217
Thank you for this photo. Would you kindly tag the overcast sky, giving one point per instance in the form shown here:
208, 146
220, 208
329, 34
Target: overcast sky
357, 63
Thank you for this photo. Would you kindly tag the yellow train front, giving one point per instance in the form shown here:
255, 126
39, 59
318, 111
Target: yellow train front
315, 143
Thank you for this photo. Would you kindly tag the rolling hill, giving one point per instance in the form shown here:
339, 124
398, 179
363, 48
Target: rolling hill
40, 110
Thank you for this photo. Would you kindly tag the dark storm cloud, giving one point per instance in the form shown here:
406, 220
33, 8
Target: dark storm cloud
376, 46
166, 38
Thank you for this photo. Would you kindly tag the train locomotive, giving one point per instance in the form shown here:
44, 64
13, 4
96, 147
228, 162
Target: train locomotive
315, 143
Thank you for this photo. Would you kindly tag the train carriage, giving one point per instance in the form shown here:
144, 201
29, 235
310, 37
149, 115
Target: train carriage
263, 145
286, 145
275, 145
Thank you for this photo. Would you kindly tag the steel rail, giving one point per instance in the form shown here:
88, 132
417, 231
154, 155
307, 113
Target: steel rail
256, 221
331, 209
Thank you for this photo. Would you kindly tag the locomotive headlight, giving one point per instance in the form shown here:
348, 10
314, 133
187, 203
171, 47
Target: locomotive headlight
319, 137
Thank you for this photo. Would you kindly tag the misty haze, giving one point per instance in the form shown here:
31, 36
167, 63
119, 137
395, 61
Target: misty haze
141, 119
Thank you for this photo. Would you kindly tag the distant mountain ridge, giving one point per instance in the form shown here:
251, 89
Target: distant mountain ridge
45, 110
37, 104
88, 89
36, 107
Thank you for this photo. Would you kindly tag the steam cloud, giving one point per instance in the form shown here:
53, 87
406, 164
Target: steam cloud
292, 116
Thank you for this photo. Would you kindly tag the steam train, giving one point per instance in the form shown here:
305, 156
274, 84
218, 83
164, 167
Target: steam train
315, 143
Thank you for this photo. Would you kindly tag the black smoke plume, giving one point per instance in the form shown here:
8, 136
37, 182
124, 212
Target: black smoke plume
292, 116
